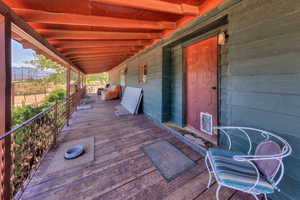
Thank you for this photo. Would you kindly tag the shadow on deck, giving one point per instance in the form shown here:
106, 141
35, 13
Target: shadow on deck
120, 169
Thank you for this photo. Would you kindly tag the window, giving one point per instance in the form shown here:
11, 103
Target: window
143, 71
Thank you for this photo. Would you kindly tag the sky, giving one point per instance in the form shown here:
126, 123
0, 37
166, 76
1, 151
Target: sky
20, 55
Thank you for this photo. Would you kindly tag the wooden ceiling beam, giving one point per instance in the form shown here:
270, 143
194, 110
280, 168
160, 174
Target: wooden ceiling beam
155, 5
91, 62
101, 54
86, 66
39, 16
100, 70
103, 58
99, 50
23, 29
111, 59
100, 47
102, 67
99, 58
55, 34
97, 66
72, 57
91, 65
70, 44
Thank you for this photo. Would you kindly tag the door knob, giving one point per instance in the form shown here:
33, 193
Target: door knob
214, 87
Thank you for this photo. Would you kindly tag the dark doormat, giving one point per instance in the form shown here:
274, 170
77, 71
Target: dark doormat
169, 161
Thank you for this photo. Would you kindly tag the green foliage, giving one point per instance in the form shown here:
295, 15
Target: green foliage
23, 113
57, 78
73, 76
41, 62
54, 96
101, 78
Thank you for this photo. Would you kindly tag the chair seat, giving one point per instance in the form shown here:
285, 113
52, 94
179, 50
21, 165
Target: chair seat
239, 175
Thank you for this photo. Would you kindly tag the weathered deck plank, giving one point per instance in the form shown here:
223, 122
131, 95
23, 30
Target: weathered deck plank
120, 171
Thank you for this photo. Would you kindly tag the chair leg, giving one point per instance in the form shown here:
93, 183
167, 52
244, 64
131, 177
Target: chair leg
256, 198
209, 172
218, 191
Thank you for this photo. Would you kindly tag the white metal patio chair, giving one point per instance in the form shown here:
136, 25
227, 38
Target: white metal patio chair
258, 171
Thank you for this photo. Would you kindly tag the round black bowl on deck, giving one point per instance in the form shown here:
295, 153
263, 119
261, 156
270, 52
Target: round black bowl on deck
74, 152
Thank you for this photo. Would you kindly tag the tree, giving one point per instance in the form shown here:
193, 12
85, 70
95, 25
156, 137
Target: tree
102, 78
41, 62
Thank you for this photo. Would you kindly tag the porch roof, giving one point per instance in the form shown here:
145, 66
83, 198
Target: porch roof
97, 35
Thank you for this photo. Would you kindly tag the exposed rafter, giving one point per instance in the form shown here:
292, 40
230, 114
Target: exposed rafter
84, 54
99, 58
93, 65
65, 44
106, 31
90, 64
98, 55
100, 50
39, 16
55, 34
155, 5
100, 69
22, 28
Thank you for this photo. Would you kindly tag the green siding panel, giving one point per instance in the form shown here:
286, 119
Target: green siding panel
259, 77
176, 87
152, 89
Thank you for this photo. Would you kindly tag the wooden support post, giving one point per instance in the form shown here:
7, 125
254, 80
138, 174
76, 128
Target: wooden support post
13, 95
84, 83
79, 81
68, 90
5, 105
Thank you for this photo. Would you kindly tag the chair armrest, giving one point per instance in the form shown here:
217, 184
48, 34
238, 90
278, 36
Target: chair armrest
244, 130
257, 157
285, 151
224, 130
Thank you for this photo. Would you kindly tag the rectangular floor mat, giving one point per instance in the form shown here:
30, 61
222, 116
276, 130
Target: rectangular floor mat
169, 161
59, 163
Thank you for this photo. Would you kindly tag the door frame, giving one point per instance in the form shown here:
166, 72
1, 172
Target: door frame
214, 28
190, 42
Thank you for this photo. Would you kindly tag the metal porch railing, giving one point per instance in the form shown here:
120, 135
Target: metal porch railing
33, 138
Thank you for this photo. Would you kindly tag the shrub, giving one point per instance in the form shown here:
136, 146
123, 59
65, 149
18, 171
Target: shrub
23, 113
55, 95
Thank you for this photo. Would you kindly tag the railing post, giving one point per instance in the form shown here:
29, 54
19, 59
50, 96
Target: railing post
56, 123
5, 106
68, 95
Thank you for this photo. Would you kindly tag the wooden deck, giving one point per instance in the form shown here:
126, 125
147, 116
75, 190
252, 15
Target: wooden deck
120, 170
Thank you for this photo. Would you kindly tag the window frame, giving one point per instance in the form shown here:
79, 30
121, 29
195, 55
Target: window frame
143, 73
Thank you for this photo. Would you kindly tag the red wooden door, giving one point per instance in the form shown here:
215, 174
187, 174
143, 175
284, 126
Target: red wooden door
201, 81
